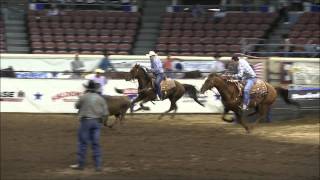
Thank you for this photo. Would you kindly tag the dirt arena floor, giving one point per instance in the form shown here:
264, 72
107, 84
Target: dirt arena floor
189, 147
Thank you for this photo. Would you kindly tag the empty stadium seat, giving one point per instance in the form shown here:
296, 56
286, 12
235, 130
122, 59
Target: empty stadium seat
80, 30
304, 30
203, 31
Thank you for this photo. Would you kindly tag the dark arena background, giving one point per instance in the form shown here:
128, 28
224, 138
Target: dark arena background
40, 40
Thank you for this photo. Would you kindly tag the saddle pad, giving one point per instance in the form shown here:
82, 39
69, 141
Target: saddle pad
167, 84
259, 87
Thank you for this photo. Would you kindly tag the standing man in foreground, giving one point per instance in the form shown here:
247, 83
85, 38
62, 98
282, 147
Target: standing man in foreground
92, 110
157, 70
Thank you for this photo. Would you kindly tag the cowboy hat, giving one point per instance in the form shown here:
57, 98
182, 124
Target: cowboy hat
99, 71
235, 58
91, 85
151, 53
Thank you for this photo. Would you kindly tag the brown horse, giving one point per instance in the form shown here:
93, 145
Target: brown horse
146, 90
231, 99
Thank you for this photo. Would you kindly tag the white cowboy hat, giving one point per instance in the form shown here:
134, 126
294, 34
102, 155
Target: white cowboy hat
99, 71
151, 53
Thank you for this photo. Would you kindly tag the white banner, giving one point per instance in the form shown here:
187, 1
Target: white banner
306, 73
62, 64
59, 95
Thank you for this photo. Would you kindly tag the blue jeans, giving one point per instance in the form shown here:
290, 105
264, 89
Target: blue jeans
169, 73
89, 132
159, 78
247, 88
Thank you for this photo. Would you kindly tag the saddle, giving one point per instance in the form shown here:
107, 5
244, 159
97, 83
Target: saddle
167, 84
259, 89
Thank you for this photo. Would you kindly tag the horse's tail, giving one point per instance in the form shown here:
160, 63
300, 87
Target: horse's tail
192, 92
120, 91
284, 93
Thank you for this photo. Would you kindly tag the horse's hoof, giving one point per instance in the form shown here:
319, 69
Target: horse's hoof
146, 108
249, 130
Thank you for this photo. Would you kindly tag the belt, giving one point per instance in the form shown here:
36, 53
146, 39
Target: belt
158, 73
84, 117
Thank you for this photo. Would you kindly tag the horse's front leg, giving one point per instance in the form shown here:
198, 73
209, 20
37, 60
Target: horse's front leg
226, 110
139, 98
144, 107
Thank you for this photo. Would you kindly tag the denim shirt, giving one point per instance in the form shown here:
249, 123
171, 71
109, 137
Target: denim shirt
156, 65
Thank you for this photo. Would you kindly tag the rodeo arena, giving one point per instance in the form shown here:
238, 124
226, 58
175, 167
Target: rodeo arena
160, 89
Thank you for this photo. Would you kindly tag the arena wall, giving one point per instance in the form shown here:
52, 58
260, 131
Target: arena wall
59, 96
48, 94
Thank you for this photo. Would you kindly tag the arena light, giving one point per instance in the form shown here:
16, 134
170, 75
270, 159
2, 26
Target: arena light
217, 10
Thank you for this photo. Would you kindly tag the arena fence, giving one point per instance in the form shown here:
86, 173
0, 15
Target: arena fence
57, 95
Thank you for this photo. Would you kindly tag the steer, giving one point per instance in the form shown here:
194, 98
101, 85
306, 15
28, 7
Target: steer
118, 106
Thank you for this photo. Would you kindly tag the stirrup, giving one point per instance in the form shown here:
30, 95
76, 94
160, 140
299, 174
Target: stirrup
245, 107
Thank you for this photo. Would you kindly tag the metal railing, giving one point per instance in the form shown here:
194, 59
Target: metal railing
102, 5
295, 50
81, 75
231, 7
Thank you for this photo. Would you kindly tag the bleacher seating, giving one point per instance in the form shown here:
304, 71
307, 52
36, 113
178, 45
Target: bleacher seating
182, 34
83, 31
305, 31
3, 47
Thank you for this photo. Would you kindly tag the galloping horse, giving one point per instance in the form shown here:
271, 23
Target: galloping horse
146, 90
232, 98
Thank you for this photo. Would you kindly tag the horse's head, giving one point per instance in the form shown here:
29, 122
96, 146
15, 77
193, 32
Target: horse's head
209, 83
137, 72
133, 74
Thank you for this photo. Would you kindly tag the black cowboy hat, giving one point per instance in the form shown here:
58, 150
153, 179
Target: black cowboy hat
235, 58
105, 53
91, 85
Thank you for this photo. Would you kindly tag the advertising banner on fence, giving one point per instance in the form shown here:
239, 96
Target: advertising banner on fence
59, 96
306, 73
303, 79
59, 66
46, 63
63, 65
304, 92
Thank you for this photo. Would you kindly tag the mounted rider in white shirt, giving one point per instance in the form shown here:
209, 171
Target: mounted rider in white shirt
245, 72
